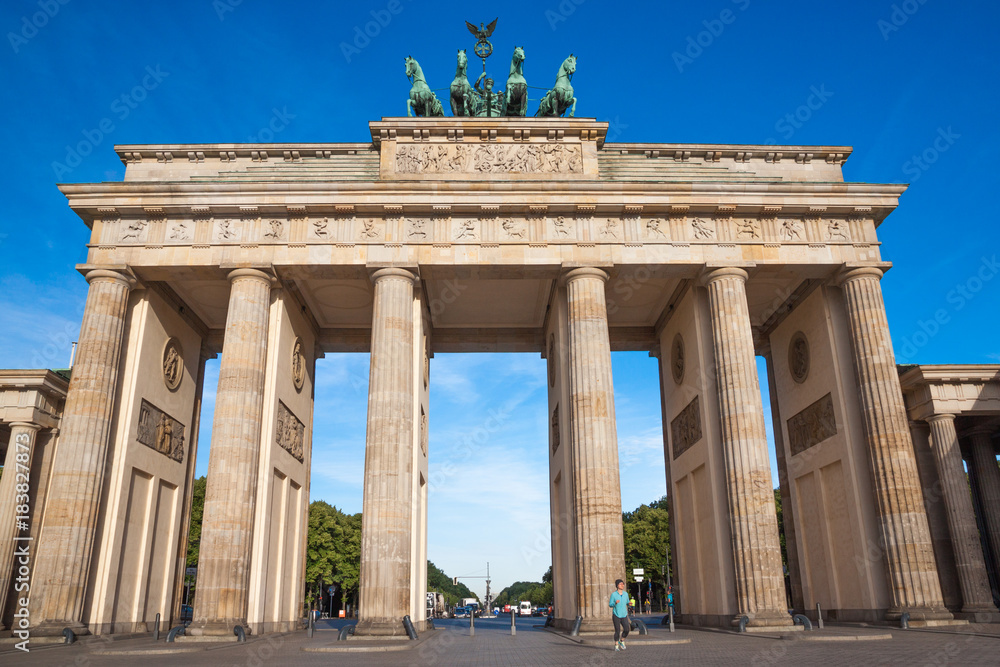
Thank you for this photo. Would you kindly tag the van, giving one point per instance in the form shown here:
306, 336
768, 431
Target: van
524, 609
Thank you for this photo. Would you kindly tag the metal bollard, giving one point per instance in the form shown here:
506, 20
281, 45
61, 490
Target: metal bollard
576, 627
312, 624
904, 621
819, 616
743, 623
156, 628
671, 618
472, 623
513, 625
411, 632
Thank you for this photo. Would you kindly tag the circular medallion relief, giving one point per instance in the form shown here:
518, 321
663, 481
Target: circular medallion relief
677, 359
552, 360
798, 357
298, 365
173, 364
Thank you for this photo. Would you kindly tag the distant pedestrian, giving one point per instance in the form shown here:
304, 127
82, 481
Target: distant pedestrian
619, 614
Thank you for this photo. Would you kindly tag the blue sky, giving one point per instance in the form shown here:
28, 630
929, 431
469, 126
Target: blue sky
911, 85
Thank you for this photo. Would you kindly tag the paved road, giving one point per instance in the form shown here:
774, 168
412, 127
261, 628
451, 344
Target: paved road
451, 645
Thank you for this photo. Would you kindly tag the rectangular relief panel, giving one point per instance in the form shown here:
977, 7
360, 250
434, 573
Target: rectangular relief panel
158, 430
290, 432
812, 425
685, 429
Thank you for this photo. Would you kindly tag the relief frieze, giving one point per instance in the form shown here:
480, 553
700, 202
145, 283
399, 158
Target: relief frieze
290, 432
489, 159
158, 430
793, 230
685, 429
812, 425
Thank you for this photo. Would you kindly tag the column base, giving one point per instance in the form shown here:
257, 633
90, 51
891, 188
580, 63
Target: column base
972, 609
589, 625
223, 628
55, 628
919, 614
382, 627
768, 619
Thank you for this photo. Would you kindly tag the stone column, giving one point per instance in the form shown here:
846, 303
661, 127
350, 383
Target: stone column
600, 543
384, 595
760, 584
14, 504
987, 475
226, 534
905, 536
976, 593
66, 543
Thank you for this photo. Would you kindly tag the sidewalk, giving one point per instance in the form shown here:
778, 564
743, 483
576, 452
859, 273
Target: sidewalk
492, 644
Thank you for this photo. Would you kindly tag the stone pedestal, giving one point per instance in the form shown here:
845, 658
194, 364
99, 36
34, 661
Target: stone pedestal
226, 534
14, 503
905, 537
65, 547
983, 467
384, 589
976, 594
600, 544
760, 586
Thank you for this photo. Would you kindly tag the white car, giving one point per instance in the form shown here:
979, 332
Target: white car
524, 609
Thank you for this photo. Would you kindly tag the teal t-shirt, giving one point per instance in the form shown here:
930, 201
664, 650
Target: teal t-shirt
619, 604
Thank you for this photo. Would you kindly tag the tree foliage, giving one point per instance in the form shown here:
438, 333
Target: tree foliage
194, 530
439, 582
333, 550
538, 593
647, 539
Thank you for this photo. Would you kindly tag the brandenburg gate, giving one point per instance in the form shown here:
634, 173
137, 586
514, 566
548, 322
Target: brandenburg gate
505, 235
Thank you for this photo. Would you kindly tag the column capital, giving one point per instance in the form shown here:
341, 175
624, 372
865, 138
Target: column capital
258, 274
111, 276
29, 425
944, 416
584, 272
983, 431
848, 274
711, 275
394, 272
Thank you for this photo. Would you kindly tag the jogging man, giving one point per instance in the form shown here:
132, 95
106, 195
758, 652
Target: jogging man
619, 614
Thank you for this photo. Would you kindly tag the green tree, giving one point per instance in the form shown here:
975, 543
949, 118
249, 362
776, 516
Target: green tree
194, 530
333, 551
439, 582
647, 538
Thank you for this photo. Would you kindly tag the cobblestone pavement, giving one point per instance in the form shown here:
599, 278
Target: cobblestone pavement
492, 644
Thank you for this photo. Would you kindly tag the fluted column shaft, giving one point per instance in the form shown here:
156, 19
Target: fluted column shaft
760, 585
987, 476
906, 539
384, 596
15, 486
976, 593
601, 550
227, 528
66, 542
